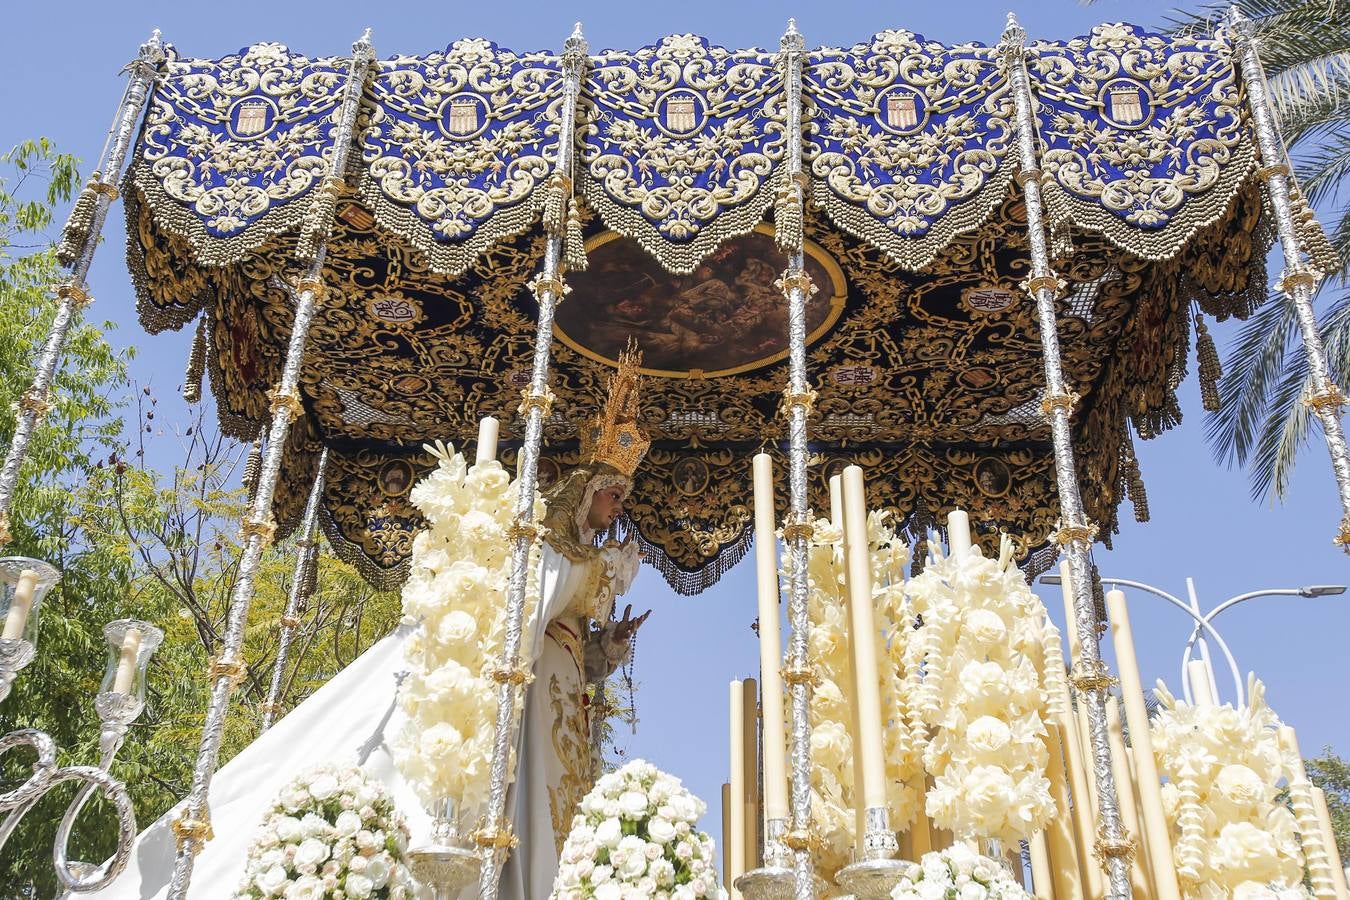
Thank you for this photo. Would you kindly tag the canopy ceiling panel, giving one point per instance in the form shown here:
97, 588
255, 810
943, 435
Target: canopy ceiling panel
922, 344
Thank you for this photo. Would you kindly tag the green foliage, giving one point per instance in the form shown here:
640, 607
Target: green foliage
1262, 422
1332, 774
131, 540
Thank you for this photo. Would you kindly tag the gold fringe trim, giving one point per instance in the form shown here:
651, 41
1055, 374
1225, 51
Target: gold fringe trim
78, 226
574, 240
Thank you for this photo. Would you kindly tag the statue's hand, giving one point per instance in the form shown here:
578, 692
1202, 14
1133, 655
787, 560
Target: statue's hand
626, 627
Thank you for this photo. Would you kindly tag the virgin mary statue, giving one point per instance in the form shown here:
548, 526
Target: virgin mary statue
573, 641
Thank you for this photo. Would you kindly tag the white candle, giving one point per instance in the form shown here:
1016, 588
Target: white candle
487, 440
837, 501
1153, 818
770, 643
21, 605
126, 663
736, 840
1202, 690
863, 637
958, 533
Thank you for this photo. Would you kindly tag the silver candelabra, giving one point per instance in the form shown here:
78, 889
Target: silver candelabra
119, 701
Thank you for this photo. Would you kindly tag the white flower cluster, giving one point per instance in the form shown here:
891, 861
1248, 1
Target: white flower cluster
957, 873
833, 787
457, 590
635, 837
980, 697
333, 833
1231, 837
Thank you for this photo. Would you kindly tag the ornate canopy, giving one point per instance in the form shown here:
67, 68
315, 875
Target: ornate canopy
923, 346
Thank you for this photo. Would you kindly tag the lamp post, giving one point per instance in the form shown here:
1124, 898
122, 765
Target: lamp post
1204, 622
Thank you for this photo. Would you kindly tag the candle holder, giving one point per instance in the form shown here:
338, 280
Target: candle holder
878, 872
116, 711
775, 880
26, 583
448, 863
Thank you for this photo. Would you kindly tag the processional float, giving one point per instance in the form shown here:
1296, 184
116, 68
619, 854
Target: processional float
371, 248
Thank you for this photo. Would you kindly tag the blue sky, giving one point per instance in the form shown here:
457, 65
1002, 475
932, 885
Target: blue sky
62, 82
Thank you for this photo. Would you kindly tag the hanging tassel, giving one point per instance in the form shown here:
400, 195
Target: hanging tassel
1134, 481
555, 202
253, 468
788, 215
1209, 369
311, 573
79, 225
1061, 241
574, 243
1098, 599
196, 366
1311, 233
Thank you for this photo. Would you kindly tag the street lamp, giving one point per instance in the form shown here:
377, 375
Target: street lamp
1204, 623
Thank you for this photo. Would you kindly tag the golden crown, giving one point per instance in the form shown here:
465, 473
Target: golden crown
613, 436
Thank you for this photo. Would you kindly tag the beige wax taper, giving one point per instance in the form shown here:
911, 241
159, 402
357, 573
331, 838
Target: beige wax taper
1066, 866
750, 743
862, 637
736, 838
774, 735
1042, 882
20, 605
126, 661
1152, 817
1129, 812
487, 439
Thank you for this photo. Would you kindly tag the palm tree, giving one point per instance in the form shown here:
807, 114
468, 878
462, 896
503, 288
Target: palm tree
1261, 422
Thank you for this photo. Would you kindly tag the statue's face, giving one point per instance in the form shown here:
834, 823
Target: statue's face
606, 506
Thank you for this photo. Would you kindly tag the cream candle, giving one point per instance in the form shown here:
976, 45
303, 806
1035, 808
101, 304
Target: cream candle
21, 605
770, 643
126, 662
488, 428
863, 637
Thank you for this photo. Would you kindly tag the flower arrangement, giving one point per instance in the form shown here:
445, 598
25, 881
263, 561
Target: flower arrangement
332, 833
635, 835
1231, 837
833, 785
980, 700
457, 589
957, 873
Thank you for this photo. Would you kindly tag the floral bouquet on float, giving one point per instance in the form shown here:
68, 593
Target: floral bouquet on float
333, 833
635, 836
957, 873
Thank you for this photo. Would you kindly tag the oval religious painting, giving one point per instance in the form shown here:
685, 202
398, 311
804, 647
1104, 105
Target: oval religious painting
725, 317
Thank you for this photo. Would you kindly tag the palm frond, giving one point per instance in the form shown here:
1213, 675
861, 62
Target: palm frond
1253, 362
1283, 432
1313, 99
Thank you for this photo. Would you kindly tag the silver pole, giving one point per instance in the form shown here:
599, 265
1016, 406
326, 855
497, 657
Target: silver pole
192, 829
73, 293
496, 837
796, 286
1299, 279
1090, 676
299, 593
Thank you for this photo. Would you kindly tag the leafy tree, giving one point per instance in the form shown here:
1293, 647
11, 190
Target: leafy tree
1332, 774
1262, 422
131, 541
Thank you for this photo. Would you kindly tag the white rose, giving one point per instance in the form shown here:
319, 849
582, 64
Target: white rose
307, 887
348, 823
931, 890
630, 860
608, 891
269, 881
288, 828
311, 853
324, 785
601, 874
632, 804
663, 872
358, 886
313, 826
1240, 785
971, 891
608, 833
378, 871
661, 830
